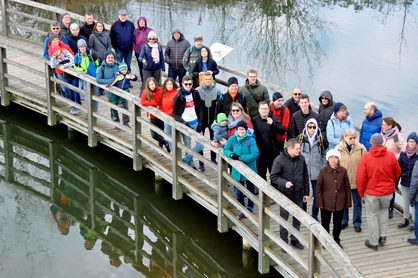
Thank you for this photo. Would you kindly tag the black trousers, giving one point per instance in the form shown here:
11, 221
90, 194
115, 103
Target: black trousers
337, 217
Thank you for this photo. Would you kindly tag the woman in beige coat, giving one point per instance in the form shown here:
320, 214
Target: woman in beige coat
351, 151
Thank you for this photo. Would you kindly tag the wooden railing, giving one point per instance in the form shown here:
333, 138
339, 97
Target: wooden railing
141, 149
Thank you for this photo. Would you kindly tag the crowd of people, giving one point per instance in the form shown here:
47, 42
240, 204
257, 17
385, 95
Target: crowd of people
307, 154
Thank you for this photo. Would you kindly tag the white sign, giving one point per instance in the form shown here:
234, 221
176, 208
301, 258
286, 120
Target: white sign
219, 51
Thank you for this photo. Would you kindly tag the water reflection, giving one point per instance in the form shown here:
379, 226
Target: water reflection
69, 214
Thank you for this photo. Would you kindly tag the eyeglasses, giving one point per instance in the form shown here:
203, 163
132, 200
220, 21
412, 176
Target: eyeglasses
187, 84
297, 94
351, 138
311, 127
252, 76
152, 39
323, 98
55, 28
235, 110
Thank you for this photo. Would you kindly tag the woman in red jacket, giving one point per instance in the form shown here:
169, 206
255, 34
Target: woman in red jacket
151, 96
333, 193
170, 90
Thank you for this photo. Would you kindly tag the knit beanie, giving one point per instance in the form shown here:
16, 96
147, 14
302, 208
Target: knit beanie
337, 107
376, 139
109, 53
232, 80
333, 152
198, 37
55, 47
242, 124
81, 43
152, 34
53, 36
221, 117
277, 96
176, 30
412, 136
64, 14
123, 66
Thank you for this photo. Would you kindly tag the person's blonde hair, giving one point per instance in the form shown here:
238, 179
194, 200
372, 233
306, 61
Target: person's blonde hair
245, 116
348, 132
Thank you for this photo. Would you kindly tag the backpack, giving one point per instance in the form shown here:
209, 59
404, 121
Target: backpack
221, 98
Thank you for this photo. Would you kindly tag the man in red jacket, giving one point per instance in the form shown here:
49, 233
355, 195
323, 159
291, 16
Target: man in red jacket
377, 173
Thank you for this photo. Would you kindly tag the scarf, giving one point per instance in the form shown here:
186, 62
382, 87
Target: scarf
411, 151
232, 123
233, 95
391, 132
340, 118
155, 53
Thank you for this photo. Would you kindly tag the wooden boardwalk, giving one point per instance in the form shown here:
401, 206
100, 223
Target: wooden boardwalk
26, 80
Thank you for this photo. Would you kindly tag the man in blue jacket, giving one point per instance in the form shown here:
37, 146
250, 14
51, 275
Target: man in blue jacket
372, 124
121, 36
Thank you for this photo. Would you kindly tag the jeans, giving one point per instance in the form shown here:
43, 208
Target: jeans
240, 196
295, 223
212, 154
415, 222
315, 210
168, 130
188, 158
180, 73
124, 57
377, 216
161, 141
74, 96
357, 210
64, 89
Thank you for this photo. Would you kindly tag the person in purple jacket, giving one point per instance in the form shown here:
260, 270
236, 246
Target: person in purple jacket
140, 38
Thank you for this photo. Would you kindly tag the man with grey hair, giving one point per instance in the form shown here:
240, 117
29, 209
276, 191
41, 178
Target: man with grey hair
371, 124
191, 55
121, 36
55, 29
74, 37
174, 53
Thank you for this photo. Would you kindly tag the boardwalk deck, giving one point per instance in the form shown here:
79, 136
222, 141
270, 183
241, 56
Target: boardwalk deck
392, 260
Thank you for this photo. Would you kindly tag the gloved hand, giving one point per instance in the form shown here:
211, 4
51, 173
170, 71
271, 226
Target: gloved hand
235, 157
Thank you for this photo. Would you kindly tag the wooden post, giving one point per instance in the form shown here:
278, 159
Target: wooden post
93, 180
136, 143
8, 150
222, 201
177, 191
53, 150
4, 82
5, 16
50, 101
314, 265
263, 239
177, 248
91, 120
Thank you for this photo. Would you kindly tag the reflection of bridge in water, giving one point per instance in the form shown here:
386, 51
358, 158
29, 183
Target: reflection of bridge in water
28, 81
105, 208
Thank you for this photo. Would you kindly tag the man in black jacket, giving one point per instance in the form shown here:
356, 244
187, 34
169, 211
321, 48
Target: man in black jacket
187, 109
174, 53
290, 176
266, 128
298, 119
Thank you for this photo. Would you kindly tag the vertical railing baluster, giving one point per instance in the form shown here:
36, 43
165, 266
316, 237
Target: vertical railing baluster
222, 201
4, 82
50, 100
263, 239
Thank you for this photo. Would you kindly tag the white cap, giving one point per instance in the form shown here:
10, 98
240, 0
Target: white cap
333, 153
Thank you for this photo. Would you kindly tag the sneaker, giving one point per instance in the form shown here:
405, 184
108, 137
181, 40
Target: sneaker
412, 241
373, 247
382, 239
390, 213
357, 229
167, 147
411, 228
121, 104
201, 168
297, 245
75, 111
115, 119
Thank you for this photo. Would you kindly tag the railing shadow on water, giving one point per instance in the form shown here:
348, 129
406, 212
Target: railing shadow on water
104, 208
260, 230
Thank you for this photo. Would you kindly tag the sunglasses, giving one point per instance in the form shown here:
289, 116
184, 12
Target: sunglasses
235, 110
351, 138
312, 127
297, 94
187, 84
152, 39
55, 28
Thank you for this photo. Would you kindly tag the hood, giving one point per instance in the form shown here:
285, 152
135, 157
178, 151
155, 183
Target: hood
327, 95
378, 151
178, 31
376, 114
144, 19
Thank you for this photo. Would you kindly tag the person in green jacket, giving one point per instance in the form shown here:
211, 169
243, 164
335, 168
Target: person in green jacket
255, 92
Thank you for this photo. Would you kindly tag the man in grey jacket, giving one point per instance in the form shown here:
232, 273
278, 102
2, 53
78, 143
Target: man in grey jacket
174, 53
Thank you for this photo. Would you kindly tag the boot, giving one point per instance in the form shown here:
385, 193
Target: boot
404, 224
